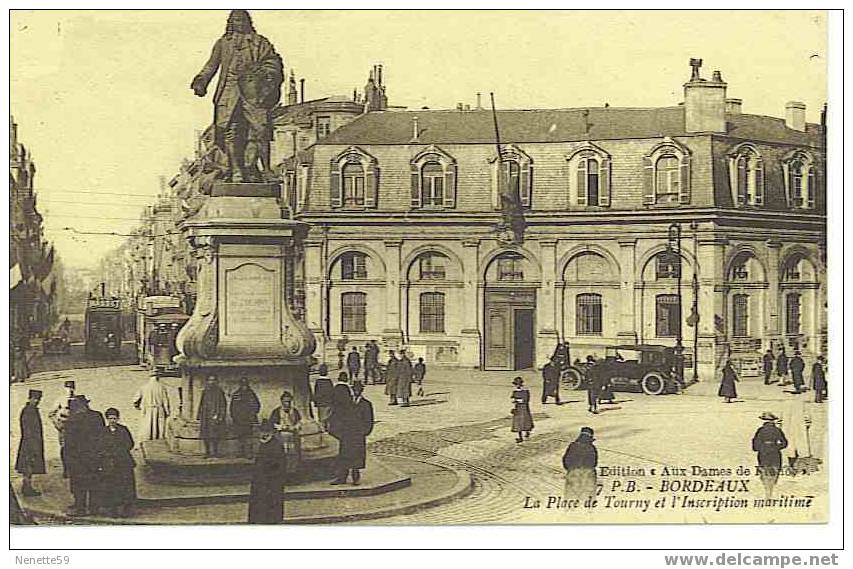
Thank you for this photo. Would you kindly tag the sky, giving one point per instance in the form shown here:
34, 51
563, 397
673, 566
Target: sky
102, 98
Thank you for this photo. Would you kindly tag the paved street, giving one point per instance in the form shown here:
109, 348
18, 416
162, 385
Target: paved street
463, 423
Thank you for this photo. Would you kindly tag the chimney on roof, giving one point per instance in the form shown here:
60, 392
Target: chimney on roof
467, 107
379, 75
733, 106
479, 105
458, 106
302, 90
795, 116
415, 131
291, 90
704, 102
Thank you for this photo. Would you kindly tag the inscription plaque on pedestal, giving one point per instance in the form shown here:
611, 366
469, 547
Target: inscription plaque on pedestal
250, 301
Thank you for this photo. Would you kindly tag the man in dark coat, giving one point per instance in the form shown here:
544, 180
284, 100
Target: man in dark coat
797, 367
118, 483
728, 383
84, 431
244, 415
405, 375
371, 362
391, 378
322, 396
340, 426
580, 461
58, 414
782, 367
819, 380
354, 363
266, 493
419, 374
768, 442
30, 459
768, 366
211, 414
353, 453
594, 381
550, 382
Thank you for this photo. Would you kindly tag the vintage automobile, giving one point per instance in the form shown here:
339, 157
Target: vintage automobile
56, 344
647, 368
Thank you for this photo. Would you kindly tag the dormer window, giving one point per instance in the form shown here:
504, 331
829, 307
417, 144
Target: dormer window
800, 180
589, 168
433, 174
667, 175
354, 180
746, 176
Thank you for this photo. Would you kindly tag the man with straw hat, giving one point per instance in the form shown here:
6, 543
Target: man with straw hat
768, 442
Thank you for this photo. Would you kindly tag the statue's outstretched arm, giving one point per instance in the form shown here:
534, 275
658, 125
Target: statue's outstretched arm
201, 81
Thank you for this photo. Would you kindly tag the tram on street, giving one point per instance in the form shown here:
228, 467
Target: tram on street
103, 327
159, 319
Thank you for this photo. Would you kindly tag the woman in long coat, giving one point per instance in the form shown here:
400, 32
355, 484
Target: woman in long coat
266, 494
118, 483
768, 442
728, 389
405, 374
211, 415
580, 461
522, 419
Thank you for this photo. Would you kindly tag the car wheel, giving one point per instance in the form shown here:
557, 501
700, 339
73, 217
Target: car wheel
571, 378
653, 384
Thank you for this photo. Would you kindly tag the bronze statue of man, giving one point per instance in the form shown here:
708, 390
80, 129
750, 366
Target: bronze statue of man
249, 87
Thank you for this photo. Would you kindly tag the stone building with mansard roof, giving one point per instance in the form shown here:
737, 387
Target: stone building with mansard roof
403, 246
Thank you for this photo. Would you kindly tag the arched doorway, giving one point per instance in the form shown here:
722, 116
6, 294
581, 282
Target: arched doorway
509, 337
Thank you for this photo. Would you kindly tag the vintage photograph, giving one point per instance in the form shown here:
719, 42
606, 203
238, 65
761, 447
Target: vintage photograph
425, 268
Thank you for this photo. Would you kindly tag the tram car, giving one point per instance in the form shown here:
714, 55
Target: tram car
103, 327
160, 318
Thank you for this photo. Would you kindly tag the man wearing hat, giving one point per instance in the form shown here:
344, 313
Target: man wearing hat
266, 493
819, 380
768, 442
211, 416
84, 431
580, 461
58, 414
30, 459
797, 367
117, 480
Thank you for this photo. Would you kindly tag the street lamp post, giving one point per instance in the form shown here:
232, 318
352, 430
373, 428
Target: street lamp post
694, 313
673, 246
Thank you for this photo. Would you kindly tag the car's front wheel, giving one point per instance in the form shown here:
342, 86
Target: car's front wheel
653, 384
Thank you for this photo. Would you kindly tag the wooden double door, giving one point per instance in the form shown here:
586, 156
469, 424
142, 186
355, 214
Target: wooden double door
510, 323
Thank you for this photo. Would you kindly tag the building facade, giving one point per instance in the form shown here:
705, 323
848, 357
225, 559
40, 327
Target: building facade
405, 242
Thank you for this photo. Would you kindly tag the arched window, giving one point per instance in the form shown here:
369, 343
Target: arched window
353, 312
746, 175
353, 179
432, 312
511, 267
667, 179
432, 185
588, 314
667, 316
800, 180
512, 174
353, 266
590, 176
792, 313
740, 315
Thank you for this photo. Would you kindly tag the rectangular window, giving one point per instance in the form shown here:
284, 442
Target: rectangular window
509, 269
432, 267
432, 312
667, 265
354, 266
324, 127
792, 314
588, 314
667, 320
740, 316
353, 312
433, 192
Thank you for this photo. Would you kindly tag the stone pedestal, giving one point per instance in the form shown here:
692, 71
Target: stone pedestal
242, 325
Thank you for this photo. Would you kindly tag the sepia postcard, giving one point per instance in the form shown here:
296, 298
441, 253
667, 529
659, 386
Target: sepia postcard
427, 268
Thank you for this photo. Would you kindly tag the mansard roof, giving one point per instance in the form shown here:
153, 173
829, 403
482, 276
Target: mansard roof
551, 125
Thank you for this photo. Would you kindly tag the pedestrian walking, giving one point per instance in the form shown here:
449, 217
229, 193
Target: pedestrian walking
594, 381
522, 419
84, 431
20, 360
153, 401
117, 484
797, 367
550, 382
357, 425
354, 363
340, 423
244, 410
819, 380
211, 415
266, 493
391, 378
322, 395
30, 458
767, 360
419, 372
580, 461
768, 442
371, 362
782, 367
287, 422
728, 389
58, 415
405, 374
